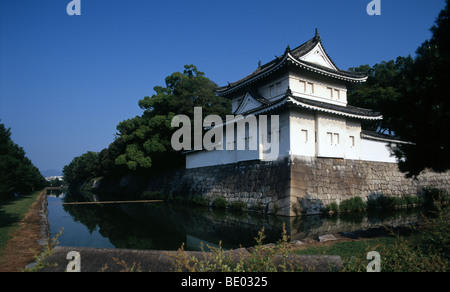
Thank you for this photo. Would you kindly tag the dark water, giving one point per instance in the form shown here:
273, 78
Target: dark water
161, 226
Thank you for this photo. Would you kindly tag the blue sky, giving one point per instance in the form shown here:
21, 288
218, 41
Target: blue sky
67, 81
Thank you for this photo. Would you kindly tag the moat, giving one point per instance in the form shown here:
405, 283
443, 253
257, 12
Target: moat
161, 226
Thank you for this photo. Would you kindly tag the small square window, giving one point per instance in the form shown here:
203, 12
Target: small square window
330, 138
352, 141
330, 92
336, 139
278, 88
304, 136
336, 94
302, 86
309, 88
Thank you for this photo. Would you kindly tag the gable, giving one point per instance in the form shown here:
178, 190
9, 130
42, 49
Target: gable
318, 56
248, 103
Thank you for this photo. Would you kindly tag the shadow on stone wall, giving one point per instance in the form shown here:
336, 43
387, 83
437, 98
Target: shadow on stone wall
289, 186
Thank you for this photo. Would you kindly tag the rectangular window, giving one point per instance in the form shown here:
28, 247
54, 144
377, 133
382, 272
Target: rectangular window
336, 94
330, 138
309, 88
302, 86
330, 92
336, 139
278, 88
352, 141
304, 136
274, 90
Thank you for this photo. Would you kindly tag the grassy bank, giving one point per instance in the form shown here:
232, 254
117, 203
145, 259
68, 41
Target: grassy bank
424, 248
11, 213
16, 217
419, 248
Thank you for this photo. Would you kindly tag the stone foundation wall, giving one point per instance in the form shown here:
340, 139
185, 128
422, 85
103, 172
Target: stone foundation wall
317, 182
262, 185
291, 185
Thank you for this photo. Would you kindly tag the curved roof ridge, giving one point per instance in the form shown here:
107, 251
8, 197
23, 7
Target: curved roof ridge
296, 55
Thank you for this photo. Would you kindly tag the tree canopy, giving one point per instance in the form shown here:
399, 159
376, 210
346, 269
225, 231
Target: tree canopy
143, 143
146, 140
82, 168
17, 172
413, 96
382, 91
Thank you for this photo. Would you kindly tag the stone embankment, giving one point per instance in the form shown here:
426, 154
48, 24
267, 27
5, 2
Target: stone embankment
289, 186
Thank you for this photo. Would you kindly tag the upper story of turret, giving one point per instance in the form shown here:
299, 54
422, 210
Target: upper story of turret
307, 73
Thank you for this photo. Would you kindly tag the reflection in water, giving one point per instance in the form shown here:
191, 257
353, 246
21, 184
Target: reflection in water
165, 227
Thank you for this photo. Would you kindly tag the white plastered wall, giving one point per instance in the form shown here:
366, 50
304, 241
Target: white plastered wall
376, 151
331, 131
302, 133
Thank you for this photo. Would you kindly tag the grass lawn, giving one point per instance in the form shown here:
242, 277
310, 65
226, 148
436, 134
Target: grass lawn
353, 253
423, 249
11, 213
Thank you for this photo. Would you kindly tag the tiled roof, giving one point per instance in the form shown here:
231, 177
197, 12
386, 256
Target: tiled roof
295, 57
295, 101
370, 135
345, 110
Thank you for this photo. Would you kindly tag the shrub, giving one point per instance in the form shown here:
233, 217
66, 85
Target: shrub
219, 203
414, 200
262, 259
386, 202
152, 195
352, 205
238, 206
258, 207
426, 249
434, 196
199, 201
331, 208
390, 202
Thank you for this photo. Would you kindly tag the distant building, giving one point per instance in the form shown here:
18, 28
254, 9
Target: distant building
50, 178
308, 92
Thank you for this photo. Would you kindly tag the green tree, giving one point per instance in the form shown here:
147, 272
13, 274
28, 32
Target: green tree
82, 168
423, 111
55, 182
413, 96
145, 141
384, 88
17, 172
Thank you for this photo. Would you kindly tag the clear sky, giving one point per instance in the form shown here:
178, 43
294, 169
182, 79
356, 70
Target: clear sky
67, 81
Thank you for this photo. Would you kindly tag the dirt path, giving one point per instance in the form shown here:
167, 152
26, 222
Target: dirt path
27, 240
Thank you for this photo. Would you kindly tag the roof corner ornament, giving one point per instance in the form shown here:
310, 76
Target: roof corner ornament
289, 91
317, 36
288, 49
259, 64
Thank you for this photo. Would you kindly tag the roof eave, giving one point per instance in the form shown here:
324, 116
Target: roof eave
375, 117
287, 57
